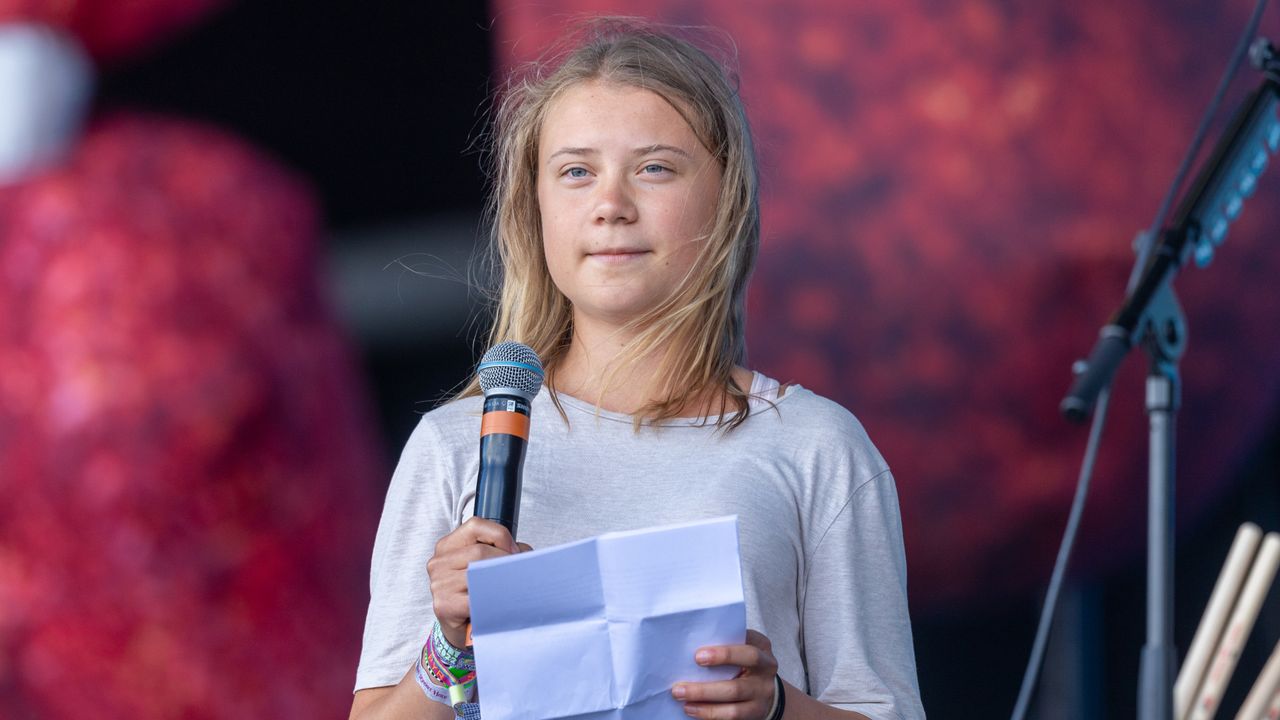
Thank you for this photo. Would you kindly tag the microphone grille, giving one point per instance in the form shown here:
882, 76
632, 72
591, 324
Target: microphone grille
511, 366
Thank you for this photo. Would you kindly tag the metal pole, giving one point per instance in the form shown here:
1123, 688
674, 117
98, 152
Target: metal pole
1155, 701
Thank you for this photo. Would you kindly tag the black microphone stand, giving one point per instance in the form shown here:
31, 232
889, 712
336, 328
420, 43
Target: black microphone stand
1165, 342
1151, 315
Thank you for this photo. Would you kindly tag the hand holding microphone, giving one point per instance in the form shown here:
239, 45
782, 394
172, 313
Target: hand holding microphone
511, 376
475, 539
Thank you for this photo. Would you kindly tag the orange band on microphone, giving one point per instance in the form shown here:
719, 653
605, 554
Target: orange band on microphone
506, 423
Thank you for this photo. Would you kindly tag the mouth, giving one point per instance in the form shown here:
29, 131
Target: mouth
617, 255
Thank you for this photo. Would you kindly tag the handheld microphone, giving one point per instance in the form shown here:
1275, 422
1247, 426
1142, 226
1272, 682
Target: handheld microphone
510, 375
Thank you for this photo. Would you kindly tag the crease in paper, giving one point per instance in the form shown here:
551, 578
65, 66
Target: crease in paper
602, 628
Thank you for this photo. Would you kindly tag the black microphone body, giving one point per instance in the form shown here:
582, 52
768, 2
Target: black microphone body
511, 376
501, 461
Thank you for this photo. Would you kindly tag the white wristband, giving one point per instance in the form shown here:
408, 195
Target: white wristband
430, 689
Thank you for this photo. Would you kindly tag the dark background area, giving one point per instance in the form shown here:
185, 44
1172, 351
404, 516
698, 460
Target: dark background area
380, 107
378, 104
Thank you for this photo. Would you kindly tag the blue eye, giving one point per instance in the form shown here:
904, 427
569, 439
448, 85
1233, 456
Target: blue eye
576, 172
655, 169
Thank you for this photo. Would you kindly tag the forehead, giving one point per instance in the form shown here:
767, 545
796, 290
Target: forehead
600, 114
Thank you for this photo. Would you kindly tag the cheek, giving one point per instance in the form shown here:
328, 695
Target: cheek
558, 253
693, 222
699, 212
551, 232
554, 227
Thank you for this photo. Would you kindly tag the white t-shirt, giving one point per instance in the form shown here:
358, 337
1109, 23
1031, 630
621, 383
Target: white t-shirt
823, 567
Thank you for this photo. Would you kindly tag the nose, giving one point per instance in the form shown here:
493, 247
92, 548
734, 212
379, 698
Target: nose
614, 202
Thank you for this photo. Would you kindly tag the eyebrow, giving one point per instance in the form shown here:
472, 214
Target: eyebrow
647, 149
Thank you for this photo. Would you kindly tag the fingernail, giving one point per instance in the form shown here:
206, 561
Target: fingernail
678, 691
703, 657
691, 710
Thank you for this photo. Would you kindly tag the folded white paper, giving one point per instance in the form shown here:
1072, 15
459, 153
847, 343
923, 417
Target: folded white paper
602, 628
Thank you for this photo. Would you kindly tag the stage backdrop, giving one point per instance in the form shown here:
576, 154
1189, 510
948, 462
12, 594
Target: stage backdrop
950, 194
188, 468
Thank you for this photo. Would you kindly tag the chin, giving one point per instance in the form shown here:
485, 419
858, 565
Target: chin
616, 313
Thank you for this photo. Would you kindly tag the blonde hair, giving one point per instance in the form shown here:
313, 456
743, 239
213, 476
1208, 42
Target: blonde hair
699, 330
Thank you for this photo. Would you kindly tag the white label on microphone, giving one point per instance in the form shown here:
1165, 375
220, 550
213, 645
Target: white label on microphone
511, 406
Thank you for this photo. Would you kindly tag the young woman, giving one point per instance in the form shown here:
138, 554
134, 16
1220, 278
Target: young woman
626, 223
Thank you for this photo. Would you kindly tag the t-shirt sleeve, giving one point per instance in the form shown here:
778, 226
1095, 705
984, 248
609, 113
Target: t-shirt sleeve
417, 513
857, 632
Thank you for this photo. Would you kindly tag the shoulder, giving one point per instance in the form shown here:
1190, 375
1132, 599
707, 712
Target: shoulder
819, 430
452, 425
802, 410
801, 405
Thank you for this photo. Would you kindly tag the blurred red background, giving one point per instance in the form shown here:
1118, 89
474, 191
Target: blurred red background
950, 195
190, 473
111, 30
186, 452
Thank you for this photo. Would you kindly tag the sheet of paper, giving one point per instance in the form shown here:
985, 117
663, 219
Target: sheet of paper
603, 627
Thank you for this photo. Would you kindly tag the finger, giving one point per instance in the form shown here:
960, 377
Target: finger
455, 560
448, 580
492, 533
724, 691
478, 530
727, 711
449, 586
748, 657
464, 556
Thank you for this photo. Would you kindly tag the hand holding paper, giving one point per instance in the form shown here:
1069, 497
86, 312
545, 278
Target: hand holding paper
603, 628
752, 691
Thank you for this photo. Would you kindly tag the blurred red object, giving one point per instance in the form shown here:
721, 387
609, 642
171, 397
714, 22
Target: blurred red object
950, 192
110, 29
186, 457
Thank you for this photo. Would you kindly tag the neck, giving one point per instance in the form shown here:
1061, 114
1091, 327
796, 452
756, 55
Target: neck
591, 371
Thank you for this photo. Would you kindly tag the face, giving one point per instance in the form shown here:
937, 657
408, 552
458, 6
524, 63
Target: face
626, 191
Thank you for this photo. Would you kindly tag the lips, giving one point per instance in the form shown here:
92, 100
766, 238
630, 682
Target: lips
621, 254
622, 250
